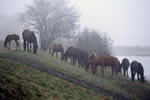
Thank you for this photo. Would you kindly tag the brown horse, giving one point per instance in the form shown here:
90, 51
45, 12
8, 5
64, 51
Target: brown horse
55, 48
137, 67
72, 53
106, 61
30, 38
10, 38
91, 61
125, 65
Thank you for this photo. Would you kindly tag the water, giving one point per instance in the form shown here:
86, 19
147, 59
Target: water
144, 60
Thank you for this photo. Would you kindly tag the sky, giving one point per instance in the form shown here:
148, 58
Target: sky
126, 21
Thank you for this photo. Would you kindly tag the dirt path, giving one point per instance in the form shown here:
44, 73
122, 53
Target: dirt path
74, 80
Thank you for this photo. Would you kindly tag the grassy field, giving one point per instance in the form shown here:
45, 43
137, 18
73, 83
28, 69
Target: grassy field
119, 84
17, 82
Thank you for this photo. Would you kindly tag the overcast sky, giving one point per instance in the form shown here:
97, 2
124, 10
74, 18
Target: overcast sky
126, 21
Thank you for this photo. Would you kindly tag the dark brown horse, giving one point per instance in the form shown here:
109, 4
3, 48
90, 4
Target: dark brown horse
55, 48
10, 38
30, 38
82, 60
137, 67
125, 65
72, 53
107, 61
92, 61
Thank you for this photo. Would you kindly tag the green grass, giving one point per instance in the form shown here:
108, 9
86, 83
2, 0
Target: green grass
118, 84
18, 81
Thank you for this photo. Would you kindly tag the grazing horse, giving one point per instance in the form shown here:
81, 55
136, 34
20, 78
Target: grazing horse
83, 58
10, 38
137, 67
72, 53
106, 61
92, 61
125, 65
56, 48
30, 38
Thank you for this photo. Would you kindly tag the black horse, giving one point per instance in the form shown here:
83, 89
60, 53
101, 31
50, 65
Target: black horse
82, 61
30, 38
125, 65
137, 67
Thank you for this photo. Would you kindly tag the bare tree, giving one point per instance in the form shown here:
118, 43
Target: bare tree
51, 19
94, 41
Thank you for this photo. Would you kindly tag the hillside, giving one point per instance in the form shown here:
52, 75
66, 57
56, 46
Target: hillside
96, 87
19, 82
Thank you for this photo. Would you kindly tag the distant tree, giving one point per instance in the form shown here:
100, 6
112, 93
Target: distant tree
94, 41
51, 19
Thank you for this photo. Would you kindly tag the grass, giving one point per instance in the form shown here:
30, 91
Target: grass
119, 84
18, 81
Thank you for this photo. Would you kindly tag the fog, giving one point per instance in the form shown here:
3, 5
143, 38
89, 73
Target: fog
126, 21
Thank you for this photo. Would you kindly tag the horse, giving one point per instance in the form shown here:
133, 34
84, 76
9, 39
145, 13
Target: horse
137, 67
56, 48
83, 57
10, 38
91, 61
72, 53
29, 38
107, 61
125, 65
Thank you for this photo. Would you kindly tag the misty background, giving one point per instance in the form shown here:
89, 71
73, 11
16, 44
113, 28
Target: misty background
126, 22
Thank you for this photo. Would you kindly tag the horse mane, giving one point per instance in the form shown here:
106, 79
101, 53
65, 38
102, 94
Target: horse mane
34, 37
141, 67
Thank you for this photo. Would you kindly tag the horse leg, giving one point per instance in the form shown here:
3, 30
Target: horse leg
87, 67
24, 44
56, 55
112, 68
79, 62
28, 46
127, 73
16, 44
102, 70
49, 51
9, 45
73, 61
124, 72
132, 74
138, 77
53, 52
66, 57
93, 69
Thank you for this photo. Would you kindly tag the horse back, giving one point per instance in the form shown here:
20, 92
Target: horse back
108, 61
137, 67
125, 63
29, 36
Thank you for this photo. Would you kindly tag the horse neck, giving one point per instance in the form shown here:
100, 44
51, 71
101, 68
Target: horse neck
34, 40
